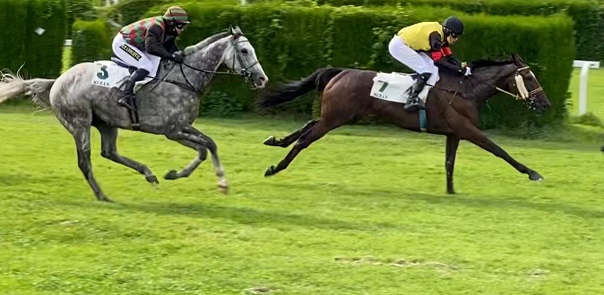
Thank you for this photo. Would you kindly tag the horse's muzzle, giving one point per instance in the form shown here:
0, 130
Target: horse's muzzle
539, 104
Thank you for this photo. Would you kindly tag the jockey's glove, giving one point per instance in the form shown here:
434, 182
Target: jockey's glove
178, 56
468, 71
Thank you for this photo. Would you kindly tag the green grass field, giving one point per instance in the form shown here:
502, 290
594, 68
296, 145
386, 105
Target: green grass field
363, 211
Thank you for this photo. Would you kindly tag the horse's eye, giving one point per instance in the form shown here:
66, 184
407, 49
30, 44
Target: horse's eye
244, 51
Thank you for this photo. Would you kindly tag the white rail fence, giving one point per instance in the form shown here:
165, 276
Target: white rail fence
585, 66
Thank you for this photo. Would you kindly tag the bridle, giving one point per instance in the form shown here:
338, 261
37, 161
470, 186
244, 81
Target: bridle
524, 93
244, 72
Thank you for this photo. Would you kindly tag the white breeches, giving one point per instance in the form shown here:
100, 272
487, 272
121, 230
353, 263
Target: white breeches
417, 61
130, 54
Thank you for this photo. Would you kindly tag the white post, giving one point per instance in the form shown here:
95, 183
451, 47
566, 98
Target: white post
583, 89
585, 66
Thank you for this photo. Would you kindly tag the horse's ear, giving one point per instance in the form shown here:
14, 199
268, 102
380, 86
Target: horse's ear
517, 58
236, 31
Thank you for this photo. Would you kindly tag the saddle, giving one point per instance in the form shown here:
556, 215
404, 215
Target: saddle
114, 73
396, 87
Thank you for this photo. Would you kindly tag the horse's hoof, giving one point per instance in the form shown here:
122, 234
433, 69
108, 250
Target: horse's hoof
534, 176
171, 175
270, 171
451, 192
602, 149
271, 141
152, 179
104, 198
223, 189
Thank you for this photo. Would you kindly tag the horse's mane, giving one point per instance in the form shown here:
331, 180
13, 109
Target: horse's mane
205, 42
489, 62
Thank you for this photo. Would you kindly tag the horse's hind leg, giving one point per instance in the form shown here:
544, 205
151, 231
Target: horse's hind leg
109, 151
289, 139
81, 136
202, 154
313, 134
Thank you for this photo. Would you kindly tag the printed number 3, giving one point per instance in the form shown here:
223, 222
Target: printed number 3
103, 74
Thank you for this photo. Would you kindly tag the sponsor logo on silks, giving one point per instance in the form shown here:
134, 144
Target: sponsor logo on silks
130, 51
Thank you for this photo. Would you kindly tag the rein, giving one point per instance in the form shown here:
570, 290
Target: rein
244, 73
524, 94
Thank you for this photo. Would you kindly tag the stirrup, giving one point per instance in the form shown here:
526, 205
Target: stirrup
417, 104
126, 101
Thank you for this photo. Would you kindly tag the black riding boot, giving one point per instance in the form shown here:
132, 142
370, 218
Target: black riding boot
127, 95
415, 103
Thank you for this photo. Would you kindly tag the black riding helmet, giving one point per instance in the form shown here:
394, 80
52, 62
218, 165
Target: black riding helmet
454, 25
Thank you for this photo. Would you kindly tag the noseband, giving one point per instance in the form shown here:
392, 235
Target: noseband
524, 93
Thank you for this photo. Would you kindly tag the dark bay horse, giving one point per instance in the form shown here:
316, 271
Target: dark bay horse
451, 107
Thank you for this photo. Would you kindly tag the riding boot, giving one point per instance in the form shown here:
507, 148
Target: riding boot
415, 103
126, 99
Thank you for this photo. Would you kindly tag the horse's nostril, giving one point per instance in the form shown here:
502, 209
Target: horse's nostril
261, 78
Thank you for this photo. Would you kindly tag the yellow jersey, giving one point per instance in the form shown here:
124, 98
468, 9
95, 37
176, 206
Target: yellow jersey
417, 36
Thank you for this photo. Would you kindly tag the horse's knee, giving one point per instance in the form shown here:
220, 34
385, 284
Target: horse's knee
106, 154
211, 145
203, 154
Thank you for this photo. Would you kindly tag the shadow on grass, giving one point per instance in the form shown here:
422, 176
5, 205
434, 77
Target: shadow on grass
241, 215
494, 202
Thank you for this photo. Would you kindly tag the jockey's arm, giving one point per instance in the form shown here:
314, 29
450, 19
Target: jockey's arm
154, 43
171, 46
450, 58
441, 55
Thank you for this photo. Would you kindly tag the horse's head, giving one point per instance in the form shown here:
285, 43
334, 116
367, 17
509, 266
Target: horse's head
240, 57
523, 83
513, 77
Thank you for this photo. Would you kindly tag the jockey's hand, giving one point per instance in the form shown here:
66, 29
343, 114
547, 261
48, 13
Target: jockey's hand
467, 71
178, 56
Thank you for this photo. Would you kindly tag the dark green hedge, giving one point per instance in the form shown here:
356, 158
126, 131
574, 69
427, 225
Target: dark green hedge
91, 41
588, 15
79, 9
20, 44
293, 41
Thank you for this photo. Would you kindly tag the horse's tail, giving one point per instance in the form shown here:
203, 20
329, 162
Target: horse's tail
292, 90
12, 86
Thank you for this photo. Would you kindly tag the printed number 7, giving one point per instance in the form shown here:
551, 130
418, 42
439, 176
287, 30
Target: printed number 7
383, 87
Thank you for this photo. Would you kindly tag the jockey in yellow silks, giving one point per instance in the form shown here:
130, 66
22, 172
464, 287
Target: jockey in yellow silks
424, 48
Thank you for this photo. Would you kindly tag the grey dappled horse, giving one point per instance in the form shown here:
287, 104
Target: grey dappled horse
167, 107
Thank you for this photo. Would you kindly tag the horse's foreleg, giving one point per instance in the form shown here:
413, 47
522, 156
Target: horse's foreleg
82, 140
109, 151
189, 133
451, 151
477, 137
202, 154
291, 138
